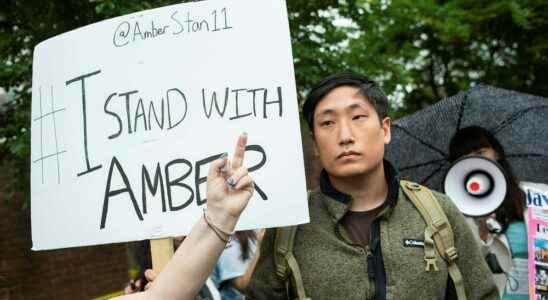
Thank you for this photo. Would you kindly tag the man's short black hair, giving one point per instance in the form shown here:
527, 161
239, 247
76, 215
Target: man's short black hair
366, 87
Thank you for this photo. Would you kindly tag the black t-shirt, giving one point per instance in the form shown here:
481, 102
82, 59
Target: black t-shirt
358, 225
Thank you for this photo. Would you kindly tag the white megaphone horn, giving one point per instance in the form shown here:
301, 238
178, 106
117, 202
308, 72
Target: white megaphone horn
477, 185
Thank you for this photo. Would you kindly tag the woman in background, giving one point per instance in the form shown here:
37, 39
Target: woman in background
509, 244
233, 271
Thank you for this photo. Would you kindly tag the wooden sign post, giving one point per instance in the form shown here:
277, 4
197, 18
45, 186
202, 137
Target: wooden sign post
161, 251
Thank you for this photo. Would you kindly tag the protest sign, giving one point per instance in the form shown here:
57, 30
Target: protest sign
537, 200
128, 113
536, 194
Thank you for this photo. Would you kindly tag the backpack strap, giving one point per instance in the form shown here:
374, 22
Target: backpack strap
287, 268
438, 230
285, 264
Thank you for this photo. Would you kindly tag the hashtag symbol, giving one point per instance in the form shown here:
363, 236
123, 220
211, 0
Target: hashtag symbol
51, 114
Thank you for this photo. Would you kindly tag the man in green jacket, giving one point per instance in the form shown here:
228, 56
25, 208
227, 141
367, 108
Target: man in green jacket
365, 239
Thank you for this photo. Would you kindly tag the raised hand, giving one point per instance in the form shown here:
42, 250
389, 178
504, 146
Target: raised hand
229, 187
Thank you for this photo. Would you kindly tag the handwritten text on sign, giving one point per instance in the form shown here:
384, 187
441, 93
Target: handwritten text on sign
128, 113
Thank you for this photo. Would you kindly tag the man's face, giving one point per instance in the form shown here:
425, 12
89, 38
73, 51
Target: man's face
348, 136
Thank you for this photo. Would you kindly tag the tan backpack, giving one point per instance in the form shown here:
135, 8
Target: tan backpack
438, 235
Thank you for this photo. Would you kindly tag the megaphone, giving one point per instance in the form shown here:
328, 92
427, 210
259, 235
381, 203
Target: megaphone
477, 185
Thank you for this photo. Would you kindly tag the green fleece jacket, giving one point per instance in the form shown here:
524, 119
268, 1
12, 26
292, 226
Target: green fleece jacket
333, 268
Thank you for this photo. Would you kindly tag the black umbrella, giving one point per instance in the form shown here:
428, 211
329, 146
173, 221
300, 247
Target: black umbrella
420, 142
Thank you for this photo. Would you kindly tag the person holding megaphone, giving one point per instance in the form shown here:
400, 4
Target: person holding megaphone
503, 229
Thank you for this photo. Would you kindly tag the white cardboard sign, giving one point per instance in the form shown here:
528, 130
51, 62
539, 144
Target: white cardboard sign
127, 114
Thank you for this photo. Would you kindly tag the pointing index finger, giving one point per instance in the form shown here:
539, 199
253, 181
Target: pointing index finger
238, 158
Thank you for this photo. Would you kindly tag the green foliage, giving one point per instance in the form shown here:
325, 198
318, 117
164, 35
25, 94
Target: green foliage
419, 50
422, 51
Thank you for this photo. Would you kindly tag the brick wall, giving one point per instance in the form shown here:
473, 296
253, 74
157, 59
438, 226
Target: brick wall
75, 273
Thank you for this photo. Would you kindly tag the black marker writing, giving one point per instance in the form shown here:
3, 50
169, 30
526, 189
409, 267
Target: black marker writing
237, 100
82, 80
140, 112
51, 114
128, 32
178, 182
138, 118
151, 33
176, 173
153, 110
121, 35
114, 115
278, 101
237, 106
181, 29
127, 95
108, 193
182, 97
213, 100
158, 182
214, 14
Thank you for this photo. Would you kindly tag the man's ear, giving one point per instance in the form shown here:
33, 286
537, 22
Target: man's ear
386, 128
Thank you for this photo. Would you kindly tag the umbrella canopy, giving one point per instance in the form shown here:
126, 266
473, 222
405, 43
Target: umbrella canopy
420, 142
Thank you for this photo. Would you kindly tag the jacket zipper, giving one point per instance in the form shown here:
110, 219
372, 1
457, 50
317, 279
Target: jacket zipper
366, 251
371, 279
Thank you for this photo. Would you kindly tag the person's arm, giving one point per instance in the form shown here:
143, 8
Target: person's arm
228, 192
478, 279
241, 282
